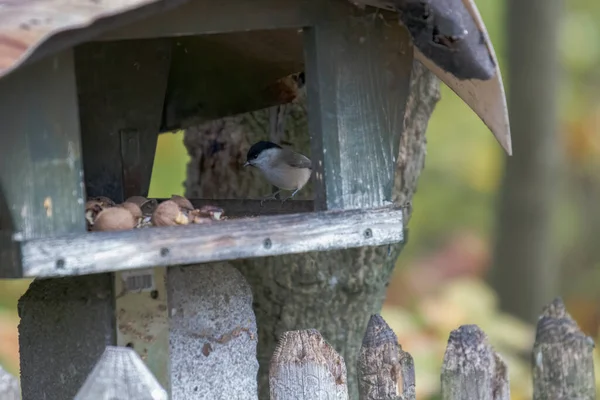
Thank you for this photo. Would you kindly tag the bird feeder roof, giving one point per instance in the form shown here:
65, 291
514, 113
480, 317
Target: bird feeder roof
32, 29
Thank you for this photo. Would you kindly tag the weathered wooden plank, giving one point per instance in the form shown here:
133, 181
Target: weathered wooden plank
472, 370
213, 333
120, 374
40, 157
562, 358
385, 371
209, 17
216, 241
305, 367
122, 88
358, 68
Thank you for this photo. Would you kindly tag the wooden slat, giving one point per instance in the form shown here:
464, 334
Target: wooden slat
209, 17
221, 240
358, 68
122, 89
40, 156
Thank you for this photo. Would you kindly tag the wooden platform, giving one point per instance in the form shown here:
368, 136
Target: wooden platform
262, 236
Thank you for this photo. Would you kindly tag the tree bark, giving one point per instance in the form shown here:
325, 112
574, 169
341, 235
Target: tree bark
334, 292
525, 266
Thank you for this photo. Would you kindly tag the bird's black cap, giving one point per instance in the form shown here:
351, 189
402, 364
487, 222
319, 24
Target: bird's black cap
259, 147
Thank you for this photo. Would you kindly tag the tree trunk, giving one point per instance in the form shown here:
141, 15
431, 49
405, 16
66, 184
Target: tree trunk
525, 266
334, 292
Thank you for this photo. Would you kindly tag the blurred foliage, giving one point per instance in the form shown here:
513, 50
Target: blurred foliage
438, 284
423, 331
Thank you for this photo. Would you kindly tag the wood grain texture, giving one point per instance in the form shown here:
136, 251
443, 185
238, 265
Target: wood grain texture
26, 24
305, 367
40, 157
210, 17
562, 358
385, 371
122, 88
96, 252
472, 370
120, 374
212, 334
357, 73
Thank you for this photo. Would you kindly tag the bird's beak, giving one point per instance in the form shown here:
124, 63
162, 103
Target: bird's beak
246, 164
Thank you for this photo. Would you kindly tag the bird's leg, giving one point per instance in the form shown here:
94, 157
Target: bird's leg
270, 197
284, 200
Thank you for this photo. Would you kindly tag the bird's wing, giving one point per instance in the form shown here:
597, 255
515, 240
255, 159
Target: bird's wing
297, 160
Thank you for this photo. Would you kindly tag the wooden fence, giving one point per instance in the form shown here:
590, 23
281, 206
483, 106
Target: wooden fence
305, 366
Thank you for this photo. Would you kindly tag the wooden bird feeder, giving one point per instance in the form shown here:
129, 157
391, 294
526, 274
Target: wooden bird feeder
86, 88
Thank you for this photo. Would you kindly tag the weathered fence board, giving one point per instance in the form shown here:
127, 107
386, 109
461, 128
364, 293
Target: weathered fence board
562, 360
305, 367
385, 371
472, 370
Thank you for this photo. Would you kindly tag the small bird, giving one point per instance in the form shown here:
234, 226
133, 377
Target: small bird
282, 167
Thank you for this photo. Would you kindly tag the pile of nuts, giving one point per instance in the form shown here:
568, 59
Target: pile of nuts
102, 214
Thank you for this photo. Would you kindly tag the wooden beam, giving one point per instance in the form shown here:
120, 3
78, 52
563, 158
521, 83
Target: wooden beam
40, 155
40, 168
96, 252
122, 88
210, 17
358, 68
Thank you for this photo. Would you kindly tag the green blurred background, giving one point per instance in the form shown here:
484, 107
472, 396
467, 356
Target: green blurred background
442, 270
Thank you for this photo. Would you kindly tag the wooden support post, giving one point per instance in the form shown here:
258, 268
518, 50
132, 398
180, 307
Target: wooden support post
114, 83
40, 156
472, 370
63, 322
562, 359
122, 87
385, 371
358, 70
305, 367
213, 334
